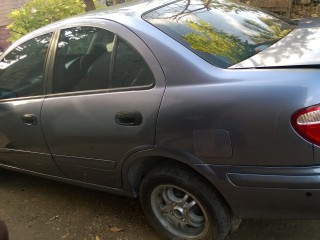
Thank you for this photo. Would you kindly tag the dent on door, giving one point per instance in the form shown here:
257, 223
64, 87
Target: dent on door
85, 138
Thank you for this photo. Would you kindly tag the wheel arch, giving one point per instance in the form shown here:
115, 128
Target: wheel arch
138, 165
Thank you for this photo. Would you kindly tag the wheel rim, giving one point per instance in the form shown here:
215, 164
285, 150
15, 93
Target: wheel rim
179, 212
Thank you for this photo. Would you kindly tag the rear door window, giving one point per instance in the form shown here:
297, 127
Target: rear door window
89, 58
129, 68
82, 59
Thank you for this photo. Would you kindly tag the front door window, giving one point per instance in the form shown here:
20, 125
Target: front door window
21, 71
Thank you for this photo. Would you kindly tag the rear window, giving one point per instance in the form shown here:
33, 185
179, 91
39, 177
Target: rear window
223, 33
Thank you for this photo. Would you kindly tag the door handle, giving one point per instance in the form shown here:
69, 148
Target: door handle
128, 118
29, 119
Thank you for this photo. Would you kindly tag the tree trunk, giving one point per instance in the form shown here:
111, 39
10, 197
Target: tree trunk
89, 5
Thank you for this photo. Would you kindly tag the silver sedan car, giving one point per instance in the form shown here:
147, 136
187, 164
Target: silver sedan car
209, 111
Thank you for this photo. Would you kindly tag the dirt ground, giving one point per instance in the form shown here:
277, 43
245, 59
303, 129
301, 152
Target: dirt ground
36, 208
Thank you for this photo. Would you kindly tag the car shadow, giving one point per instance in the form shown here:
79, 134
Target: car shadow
37, 208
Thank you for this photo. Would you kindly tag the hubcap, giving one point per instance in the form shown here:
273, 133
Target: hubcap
179, 212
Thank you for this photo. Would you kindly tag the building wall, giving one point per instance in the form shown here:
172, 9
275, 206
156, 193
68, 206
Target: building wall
6, 6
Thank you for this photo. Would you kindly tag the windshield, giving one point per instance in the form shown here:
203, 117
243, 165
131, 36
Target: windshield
221, 32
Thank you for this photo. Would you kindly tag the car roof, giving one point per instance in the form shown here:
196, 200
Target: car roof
133, 9
121, 13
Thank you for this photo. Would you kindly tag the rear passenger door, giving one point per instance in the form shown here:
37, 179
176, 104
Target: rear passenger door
106, 91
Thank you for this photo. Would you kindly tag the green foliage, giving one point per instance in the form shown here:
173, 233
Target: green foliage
37, 13
207, 39
271, 31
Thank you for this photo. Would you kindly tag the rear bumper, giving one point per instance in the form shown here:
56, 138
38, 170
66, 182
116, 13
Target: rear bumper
270, 192
272, 177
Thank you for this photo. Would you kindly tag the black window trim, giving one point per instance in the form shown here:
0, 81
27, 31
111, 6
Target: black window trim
113, 57
50, 60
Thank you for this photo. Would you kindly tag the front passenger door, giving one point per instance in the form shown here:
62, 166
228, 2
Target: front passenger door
22, 87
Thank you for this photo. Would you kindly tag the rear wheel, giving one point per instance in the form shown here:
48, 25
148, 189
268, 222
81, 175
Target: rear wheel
181, 206
1, 175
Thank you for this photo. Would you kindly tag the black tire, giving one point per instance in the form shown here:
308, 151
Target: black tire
1, 175
182, 206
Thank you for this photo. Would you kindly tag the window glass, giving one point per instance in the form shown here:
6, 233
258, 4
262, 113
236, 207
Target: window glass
83, 59
87, 59
130, 69
222, 32
21, 71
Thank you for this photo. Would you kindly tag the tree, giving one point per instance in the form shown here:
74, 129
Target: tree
37, 13
271, 30
207, 39
89, 5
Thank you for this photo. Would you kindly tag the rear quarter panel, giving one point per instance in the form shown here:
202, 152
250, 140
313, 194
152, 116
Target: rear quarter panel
254, 106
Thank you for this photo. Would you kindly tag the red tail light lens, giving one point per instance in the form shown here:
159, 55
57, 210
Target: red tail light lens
307, 123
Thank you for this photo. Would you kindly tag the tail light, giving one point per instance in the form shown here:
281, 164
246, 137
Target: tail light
306, 122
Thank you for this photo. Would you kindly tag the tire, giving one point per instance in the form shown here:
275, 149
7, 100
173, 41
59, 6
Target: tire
1, 175
181, 206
